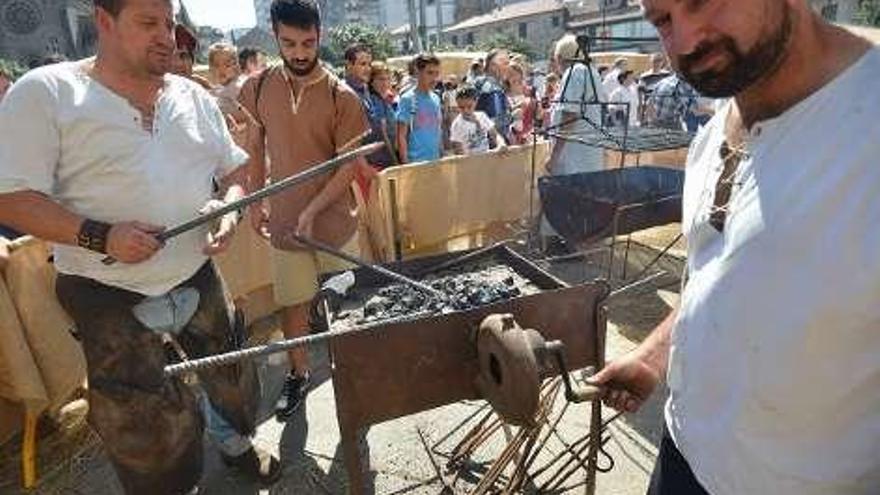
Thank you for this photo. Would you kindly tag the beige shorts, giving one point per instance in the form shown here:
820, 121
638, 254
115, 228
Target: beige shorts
295, 273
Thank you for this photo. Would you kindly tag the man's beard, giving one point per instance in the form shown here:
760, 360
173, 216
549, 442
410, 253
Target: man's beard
301, 71
744, 69
157, 61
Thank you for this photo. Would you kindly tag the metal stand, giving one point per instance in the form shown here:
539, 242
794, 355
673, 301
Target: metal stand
621, 139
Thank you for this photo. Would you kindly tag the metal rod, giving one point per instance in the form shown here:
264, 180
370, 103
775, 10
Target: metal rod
263, 193
375, 268
635, 285
269, 190
461, 425
447, 488
659, 255
262, 350
396, 241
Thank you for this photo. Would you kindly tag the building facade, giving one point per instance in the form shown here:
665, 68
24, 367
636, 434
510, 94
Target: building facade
840, 11
538, 23
621, 19
261, 10
333, 12
31, 30
438, 14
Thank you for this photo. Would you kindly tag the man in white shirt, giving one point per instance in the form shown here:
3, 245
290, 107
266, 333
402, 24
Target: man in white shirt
773, 356
98, 157
570, 117
627, 94
611, 81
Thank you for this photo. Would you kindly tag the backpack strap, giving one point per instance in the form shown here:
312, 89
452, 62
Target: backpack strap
260, 82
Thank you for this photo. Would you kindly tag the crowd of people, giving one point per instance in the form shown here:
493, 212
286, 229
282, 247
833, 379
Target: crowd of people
422, 115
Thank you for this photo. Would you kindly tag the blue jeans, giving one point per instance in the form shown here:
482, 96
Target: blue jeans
228, 441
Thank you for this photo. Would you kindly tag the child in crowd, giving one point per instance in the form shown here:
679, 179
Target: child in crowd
471, 130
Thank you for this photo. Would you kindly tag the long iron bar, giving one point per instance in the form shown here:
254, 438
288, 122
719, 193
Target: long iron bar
281, 346
269, 190
263, 193
262, 350
320, 246
447, 488
525, 439
635, 285
584, 443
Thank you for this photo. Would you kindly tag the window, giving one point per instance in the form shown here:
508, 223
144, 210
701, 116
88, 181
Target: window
469, 38
555, 21
454, 40
523, 29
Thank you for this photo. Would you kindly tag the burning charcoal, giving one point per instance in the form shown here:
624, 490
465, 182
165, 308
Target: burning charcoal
509, 293
372, 309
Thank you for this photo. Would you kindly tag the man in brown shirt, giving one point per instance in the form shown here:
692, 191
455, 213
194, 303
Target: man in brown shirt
306, 116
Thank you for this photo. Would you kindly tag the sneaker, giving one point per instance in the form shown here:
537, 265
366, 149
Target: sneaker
292, 395
257, 464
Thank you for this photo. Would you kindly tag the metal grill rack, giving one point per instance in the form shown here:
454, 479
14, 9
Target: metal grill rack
623, 139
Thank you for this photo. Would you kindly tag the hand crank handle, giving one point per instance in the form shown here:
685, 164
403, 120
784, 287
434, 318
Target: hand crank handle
586, 393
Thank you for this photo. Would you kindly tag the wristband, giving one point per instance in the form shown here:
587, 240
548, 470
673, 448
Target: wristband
93, 235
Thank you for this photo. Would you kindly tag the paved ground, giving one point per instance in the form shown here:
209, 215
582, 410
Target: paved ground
310, 450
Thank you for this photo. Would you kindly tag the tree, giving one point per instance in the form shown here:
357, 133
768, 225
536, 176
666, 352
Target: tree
508, 42
12, 68
345, 35
869, 12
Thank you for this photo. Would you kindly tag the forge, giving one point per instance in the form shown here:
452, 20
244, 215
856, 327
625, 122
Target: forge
421, 354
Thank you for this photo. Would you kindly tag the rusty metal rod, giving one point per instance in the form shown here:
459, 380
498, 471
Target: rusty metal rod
320, 246
550, 431
461, 425
274, 188
447, 488
568, 474
520, 473
263, 193
524, 438
555, 481
263, 350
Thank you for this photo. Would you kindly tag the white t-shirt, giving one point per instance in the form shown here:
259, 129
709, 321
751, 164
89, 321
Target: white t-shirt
473, 137
627, 94
775, 363
69, 137
574, 89
610, 82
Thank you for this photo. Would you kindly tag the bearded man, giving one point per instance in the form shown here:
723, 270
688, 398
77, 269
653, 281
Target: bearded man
305, 115
771, 357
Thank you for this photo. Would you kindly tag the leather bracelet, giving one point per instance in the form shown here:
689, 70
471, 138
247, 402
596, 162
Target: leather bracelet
93, 235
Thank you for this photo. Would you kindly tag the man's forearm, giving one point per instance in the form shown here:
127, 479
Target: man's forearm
336, 187
35, 214
655, 348
235, 184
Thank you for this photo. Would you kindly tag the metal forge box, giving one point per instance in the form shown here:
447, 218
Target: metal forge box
413, 364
